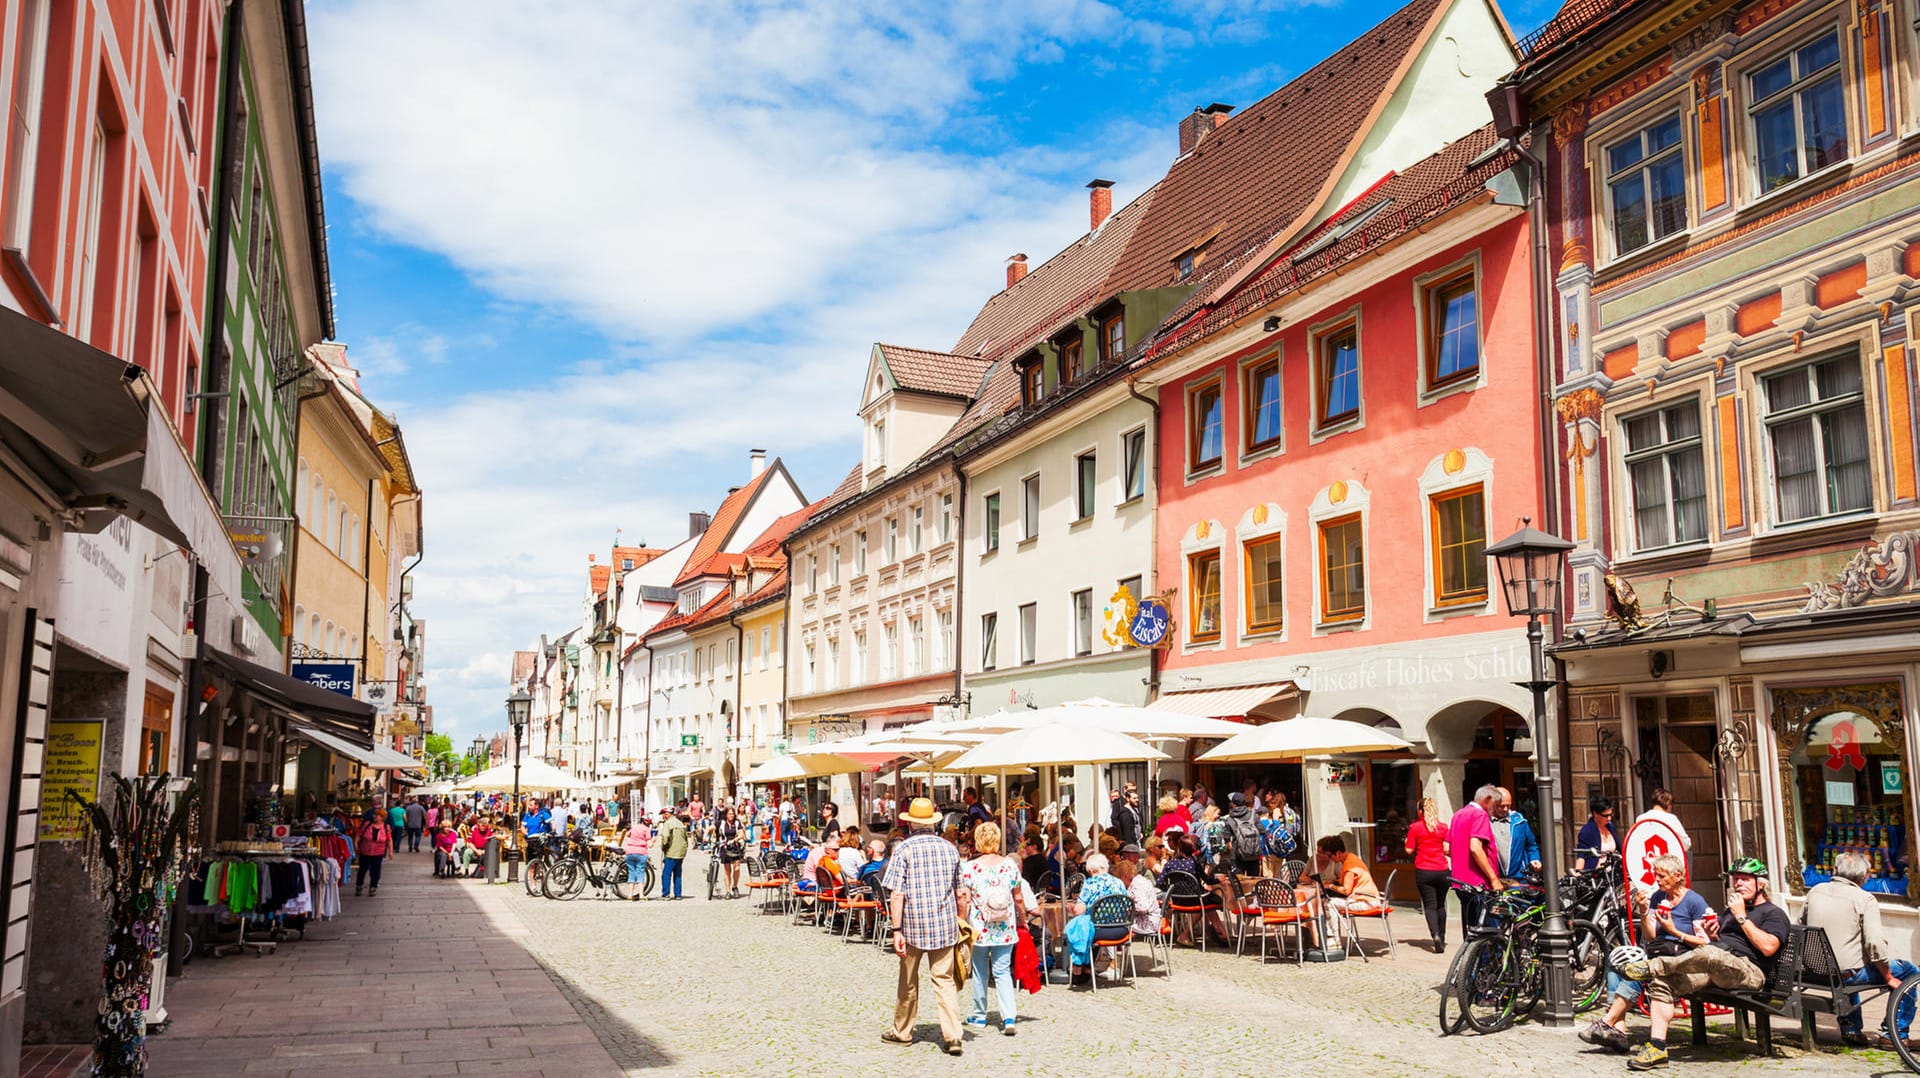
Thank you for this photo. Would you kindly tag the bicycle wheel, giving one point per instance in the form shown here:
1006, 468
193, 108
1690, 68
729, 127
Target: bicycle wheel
1907, 995
617, 881
713, 876
1589, 960
1489, 980
648, 878
1452, 1018
566, 878
532, 875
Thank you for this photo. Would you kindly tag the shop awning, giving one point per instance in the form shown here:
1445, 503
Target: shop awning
339, 746
344, 718
684, 773
82, 422
1225, 703
388, 759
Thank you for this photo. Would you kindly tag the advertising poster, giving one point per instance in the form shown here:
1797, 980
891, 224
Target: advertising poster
73, 763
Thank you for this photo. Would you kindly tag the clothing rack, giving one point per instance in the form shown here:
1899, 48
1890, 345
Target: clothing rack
248, 891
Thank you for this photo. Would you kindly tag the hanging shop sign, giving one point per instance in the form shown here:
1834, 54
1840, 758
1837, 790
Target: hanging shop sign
339, 678
72, 766
1138, 623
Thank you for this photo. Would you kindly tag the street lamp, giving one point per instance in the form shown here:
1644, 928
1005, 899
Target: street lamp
1532, 565
519, 706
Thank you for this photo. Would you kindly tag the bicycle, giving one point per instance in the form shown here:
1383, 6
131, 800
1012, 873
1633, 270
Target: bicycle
1501, 977
539, 856
584, 863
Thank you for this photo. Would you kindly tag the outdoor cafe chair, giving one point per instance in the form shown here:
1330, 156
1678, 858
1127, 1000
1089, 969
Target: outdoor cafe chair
1242, 910
1381, 911
827, 892
857, 903
765, 880
1280, 909
1291, 872
1187, 898
1112, 911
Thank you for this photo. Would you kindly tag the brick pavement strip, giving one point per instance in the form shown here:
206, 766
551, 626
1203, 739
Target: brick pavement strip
494, 982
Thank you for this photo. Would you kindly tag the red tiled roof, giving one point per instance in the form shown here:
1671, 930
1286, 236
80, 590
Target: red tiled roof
1569, 25
687, 619
1426, 190
939, 373
774, 586
720, 529
1001, 395
641, 555
1263, 171
1057, 290
848, 488
597, 578
523, 662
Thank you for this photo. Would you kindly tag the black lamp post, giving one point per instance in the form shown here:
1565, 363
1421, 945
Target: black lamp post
1532, 564
519, 705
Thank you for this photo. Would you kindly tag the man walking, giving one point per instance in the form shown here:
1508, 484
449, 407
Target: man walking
922, 882
416, 823
673, 853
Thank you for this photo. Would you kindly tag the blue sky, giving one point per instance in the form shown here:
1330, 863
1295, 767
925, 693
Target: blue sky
590, 261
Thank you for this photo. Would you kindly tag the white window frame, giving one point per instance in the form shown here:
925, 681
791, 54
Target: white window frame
1637, 128
1030, 508
1081, 603
916, 532
1843, 69
945, 621
1086, 484
890, 542
23, 125
1667, 449
1133, 453
860, 552
990, 640
1029, 619
946, 518
992, 518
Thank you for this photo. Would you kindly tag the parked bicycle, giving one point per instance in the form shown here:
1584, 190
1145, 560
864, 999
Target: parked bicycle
540, 854
584, 864
1498, 977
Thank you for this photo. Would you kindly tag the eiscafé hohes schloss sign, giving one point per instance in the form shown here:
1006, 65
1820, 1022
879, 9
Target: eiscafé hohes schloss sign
333, 677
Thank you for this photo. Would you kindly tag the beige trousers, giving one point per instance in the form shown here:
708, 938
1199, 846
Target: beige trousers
1683, 975
942, 970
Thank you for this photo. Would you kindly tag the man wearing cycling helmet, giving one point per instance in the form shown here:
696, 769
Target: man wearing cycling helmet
1746, 944
1671, 926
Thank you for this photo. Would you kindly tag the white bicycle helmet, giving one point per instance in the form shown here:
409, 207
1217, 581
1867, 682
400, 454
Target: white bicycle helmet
1621, 957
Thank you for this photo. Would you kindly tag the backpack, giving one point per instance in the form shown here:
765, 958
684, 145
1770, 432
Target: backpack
1280, 840
996, 903
1246, 836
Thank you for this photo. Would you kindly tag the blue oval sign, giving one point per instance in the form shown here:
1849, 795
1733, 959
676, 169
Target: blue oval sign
1150, 623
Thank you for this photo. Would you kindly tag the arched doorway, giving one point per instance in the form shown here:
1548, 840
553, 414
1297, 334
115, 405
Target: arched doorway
1496, 744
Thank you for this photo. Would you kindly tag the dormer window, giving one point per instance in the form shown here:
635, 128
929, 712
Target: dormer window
1183, 266
1073, 360
879, 444
1031, 383
1113, 338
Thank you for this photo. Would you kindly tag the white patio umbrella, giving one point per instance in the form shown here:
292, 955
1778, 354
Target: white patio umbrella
534, 775
1291, 740
802, 766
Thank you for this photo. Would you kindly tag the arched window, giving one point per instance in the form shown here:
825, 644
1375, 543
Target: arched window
326, 639
340, 536
300, 492
299, 622
311, 518
326, 522
313, 630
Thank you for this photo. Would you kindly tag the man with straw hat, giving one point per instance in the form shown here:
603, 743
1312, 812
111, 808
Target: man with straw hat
923, 894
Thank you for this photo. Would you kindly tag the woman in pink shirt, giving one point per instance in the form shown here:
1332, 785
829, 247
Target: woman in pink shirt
639, 838
1427, 842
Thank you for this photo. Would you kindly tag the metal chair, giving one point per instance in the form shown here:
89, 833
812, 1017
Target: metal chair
827, 893
1112, 911
765, 881
1241, 910
856, 899
883, 916
1074, 883
1280, 908
1290, 872
1159, 941
1383, 912
1187, 897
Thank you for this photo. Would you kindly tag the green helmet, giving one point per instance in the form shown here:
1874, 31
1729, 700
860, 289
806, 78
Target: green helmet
1749, 866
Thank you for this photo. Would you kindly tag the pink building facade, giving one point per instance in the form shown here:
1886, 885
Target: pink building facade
1338, 443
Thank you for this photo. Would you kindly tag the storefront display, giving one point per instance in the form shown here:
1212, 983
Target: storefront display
1843, 767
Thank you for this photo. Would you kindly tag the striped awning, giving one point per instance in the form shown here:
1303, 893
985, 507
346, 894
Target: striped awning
1227, 703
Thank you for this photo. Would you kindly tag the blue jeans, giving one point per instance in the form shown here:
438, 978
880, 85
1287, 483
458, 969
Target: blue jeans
636, 867
1901, 969
997, 961
670, 876
1620, 986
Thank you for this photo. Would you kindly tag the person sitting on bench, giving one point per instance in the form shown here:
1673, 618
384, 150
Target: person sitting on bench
1746, 945
1851, 918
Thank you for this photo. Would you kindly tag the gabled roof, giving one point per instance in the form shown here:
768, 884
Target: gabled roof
1267, 169
597, 578
775, 587
687, 619
768, 544
1054, 292
522, 666
704, 559
941, 374
641, 555
1430, 188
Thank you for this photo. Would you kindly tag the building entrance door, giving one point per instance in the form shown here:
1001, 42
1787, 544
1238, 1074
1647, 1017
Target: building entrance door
1684, 730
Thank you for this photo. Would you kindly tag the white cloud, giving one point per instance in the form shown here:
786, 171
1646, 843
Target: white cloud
742, 196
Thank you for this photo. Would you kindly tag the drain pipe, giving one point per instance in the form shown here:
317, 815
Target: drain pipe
1153, 536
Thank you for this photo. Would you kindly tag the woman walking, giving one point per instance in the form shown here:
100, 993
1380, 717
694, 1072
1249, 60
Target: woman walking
639, 838
995, 907
730, 846
1427, 842
376, 839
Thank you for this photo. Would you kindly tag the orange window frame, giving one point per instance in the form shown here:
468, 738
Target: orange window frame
1250, 377
1438, 295
1324, 349
1277, 618
1441, 550
1196, 424
1197, 563
1358, 609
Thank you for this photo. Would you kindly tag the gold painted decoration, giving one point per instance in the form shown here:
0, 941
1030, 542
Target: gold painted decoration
1260, 513
1202, 529
1580, 404
1337, 493
1454, 462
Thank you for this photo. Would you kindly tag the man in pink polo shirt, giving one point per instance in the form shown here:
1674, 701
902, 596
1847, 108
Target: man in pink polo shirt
1470, 845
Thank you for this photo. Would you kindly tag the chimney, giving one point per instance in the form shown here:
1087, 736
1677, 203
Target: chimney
757, 462
1099, 203
697, 524
1199, 124
1016, 269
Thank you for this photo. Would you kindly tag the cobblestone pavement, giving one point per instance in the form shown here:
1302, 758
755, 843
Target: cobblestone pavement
697, 987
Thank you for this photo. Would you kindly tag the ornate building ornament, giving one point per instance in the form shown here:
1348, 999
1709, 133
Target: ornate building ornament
1580, 404
1877, 571
1701, 36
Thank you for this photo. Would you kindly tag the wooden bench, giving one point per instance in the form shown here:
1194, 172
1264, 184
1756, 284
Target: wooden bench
1806, 981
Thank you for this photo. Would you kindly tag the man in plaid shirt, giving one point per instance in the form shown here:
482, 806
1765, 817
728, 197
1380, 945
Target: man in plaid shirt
923, 886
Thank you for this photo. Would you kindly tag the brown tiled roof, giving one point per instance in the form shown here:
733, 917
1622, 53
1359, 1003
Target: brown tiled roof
1454, 177
1265, 170
597, 578
522, 665
774, 586
848, 488
1574, 22
1054, 292
940, 373
725, 519
641, 555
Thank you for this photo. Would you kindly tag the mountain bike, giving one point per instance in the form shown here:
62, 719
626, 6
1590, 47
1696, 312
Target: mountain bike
1499, 975
602, 867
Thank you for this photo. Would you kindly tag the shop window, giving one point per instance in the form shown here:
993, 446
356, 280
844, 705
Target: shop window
1203, 581
1646, 186
1844, 768
1395, 799
1817, 429
1667, 470
1798, 113
1343, 570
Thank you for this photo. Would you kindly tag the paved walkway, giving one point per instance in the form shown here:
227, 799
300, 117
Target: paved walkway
421, 980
